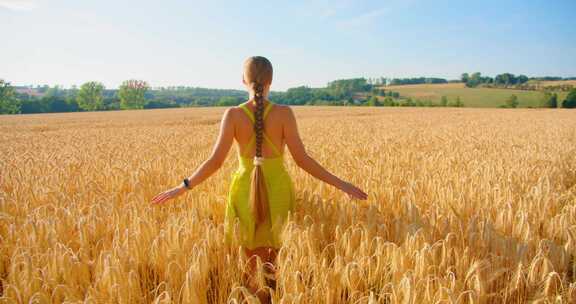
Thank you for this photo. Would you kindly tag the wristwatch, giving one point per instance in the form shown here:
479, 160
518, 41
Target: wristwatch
187, 183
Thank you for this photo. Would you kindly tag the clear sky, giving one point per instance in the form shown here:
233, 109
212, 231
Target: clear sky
203, 43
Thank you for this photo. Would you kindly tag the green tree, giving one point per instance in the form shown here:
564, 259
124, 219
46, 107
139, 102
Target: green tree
228, 101
373, 102
408, 102
347, 87
54, 104
132, 94
459, 102
9, 103
90, 97
570, 101
512, 101
156, 104
55, 91
72, 104
505, 79
111, 103
549, 100
522, 79
33, 105
444, 101
474, 80
389, 102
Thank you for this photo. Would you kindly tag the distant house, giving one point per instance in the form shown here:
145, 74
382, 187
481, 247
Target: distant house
358, 98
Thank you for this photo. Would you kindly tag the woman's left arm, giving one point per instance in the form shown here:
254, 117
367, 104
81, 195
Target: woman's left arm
209, 166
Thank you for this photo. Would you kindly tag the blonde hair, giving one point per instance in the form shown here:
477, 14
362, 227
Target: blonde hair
257, 75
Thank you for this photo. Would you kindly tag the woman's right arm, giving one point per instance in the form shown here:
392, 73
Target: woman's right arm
308, 164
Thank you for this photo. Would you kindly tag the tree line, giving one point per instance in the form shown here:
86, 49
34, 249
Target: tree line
509, 80
137, 94
410, 102
548, 100
505, 79
417, 80
93, 96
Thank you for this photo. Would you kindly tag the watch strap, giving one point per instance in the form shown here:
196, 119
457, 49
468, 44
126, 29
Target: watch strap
187, 183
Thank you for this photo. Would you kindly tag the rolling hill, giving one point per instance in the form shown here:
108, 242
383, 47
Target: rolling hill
471, 97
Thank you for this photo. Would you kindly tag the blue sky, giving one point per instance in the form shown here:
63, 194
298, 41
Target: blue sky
203, 43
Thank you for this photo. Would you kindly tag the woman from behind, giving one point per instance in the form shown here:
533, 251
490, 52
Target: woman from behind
261, 191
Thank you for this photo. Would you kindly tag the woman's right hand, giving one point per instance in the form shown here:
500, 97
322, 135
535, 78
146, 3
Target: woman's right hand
169, 194
353, 191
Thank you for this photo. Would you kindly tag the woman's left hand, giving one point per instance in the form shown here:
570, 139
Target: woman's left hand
168, 194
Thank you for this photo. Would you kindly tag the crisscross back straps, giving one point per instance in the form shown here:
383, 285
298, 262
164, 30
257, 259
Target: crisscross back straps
251, 115
266, 138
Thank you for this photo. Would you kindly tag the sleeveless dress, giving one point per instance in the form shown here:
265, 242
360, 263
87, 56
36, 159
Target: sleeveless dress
280, 190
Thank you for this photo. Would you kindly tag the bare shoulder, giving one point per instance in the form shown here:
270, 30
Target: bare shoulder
284, 111
231, 113
237, 110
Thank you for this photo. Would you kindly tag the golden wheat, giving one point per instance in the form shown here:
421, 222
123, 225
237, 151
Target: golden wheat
465, 206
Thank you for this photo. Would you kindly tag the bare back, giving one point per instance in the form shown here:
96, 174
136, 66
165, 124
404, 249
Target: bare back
273, 128
280, 128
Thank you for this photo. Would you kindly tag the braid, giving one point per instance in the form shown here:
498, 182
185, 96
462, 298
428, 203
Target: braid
258, 117
258, 73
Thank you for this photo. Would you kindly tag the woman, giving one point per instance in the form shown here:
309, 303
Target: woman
261, 192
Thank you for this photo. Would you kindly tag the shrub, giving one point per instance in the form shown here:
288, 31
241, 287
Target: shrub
570, 101
512, 101
549, 100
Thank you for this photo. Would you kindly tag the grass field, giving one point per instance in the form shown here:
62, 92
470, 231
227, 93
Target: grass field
554, 83
465, 206
471, 97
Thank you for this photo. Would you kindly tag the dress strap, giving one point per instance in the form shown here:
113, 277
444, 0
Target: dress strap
248, 112
266, 138
268, 141
251, 115
272, 145
268, 107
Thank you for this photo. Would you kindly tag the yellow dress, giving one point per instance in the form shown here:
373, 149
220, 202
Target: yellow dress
280, 196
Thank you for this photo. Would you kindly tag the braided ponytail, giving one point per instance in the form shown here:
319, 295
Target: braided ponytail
258, 191
258, 117
258, 74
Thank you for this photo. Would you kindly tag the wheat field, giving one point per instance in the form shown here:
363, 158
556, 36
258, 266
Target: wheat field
465, 206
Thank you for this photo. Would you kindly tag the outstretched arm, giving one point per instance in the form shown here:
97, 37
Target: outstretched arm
219, 152
209, 166
310, 165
